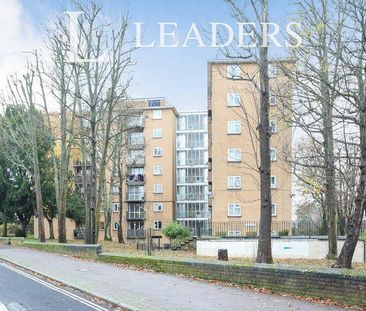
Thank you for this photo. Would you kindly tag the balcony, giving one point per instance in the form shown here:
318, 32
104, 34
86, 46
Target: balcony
136, 143
135, 179
135, 215
135, 233
138, 161
135, 196
193, 214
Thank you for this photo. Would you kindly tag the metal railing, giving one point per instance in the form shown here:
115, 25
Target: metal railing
135, 215
135, 233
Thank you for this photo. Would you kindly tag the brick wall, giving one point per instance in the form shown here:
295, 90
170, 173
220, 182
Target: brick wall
338, 285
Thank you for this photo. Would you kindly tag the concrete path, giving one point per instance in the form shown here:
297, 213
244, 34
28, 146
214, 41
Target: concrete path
139, 290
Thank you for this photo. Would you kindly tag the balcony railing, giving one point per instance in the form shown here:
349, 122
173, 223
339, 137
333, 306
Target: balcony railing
135, 178
191, 179
135, 160
135, 215
194, 214
135, 233
136, 196
192, 197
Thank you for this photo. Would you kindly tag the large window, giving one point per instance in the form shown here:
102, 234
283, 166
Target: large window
234, 155
233, 71
192, 140
233, 127
192, 122
135, 211
136, 138
192, 175
234, 182
193, 210
135, 193
192, 157
136, 156
192, 193
234, 210
233, 100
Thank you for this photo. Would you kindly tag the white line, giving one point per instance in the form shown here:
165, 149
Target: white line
3, 308
55, 288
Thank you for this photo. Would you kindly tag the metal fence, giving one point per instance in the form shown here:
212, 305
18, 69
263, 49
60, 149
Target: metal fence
251, 229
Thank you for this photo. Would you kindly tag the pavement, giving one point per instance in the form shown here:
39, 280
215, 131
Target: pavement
141, 290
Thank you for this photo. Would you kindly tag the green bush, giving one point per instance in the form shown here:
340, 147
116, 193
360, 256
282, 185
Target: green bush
175, 231
363, 236
20, 233
283, 232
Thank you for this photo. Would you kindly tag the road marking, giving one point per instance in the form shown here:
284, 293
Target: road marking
3, 308
55, 288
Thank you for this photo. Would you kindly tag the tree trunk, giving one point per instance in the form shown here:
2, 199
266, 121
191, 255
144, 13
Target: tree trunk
5, 227
50, 224
264, 254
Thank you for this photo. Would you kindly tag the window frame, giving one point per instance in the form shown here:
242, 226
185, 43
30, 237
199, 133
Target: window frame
161, 204
157, 114
155, 173
274, 185
273, 151
231, 159
234, 178
155, 149
157, 191
114, 209
232, 74
234, 206
158, 225
236, 99
157, 133
275, 209
236, 122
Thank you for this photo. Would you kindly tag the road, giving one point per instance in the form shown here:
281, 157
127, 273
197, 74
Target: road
150, 291
21, 291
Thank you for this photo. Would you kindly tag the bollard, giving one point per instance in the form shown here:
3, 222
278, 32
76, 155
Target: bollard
222, 255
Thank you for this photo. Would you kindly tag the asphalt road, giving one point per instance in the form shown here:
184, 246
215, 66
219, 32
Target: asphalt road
21, 291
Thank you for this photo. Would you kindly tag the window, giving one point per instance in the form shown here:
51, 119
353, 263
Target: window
157, 152
233, 100
115, 189
234, 210
273, 182
273, 126
157, 133
233, 127
157, 114
273, 154
234, 155
234, 182
272, 71
158, 207
154, 103
115, 226
136, 138
158, 224
233, 71
234, 233
115, 207
157, 170
272, 99
158, 188
274, 209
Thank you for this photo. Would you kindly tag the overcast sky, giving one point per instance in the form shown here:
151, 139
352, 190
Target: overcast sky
179, 74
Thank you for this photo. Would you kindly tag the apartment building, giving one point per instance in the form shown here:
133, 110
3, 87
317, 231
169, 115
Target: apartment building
192, 172
234, 193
